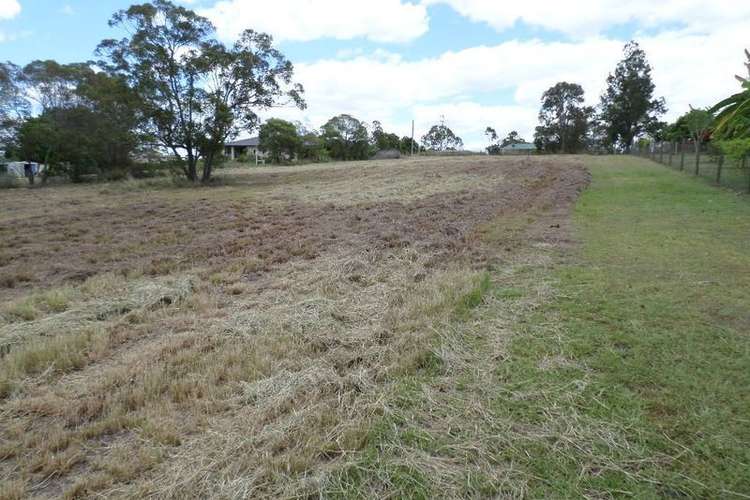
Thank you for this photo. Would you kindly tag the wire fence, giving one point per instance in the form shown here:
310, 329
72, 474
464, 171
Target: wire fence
705, 161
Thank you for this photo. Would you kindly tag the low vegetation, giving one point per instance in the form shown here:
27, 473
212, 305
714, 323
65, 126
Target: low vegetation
253, 366
469, 336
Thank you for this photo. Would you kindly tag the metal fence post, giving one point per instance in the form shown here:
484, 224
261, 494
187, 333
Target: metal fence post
661, 153
671, 152
718, 169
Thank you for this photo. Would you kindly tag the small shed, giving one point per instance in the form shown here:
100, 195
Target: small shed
249, 148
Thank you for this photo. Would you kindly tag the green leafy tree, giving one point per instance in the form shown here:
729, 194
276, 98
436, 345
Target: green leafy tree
407, 146
732, 124
195, 92
14, 107
38, 141
512, 138
441, 138
312, 147
95, 111
346, 138
628, 108
733, 113
280, 139
563, 119
53, 85
383, 140
492, 138
491, 134
698, 122
677, 131
57, 138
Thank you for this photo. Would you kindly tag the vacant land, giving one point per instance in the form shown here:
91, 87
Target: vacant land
242, 339
453, 327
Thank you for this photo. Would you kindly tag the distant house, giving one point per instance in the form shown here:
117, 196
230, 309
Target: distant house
18, 168
518, 148
248, 148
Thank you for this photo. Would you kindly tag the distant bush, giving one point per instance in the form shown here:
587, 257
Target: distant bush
735, 149
387, 154
149, 170
8, 181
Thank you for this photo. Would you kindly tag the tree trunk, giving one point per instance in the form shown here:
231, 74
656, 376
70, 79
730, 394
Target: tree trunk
192, 171
207, 167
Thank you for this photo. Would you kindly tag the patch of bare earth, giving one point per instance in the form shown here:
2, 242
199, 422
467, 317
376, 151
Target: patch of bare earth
239, 341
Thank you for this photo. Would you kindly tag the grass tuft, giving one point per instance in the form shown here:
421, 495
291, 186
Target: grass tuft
474, 298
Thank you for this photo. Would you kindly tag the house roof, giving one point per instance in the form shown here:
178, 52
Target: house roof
251, 142
521, 145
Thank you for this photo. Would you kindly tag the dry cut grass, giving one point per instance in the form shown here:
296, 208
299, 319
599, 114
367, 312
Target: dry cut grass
251, 339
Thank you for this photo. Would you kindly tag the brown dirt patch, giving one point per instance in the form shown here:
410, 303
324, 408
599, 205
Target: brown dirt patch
166, 233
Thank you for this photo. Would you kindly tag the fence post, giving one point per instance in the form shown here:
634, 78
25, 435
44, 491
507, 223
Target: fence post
661, 153
718, 169
671, 152
682, 155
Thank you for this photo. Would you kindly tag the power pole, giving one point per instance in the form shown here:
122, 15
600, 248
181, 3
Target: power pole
412, 138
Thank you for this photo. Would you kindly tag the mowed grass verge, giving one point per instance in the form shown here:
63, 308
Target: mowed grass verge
617, 368
654, 321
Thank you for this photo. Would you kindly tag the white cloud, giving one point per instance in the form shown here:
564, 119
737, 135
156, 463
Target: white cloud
689, 68
67, 10
305, 20
9, 9
590, 17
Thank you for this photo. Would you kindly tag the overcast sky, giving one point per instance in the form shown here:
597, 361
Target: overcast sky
476, 62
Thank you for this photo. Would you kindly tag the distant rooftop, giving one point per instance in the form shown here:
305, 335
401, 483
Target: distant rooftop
251, 142
520, 146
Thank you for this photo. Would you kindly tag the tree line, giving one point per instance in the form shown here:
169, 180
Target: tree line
629, 112
726, 124
343, 137
168, 85
171, 85
627, 109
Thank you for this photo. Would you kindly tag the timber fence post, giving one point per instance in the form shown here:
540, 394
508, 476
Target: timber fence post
682, 155
698, 161
671, 152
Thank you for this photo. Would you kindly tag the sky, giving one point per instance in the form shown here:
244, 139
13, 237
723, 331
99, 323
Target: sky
473, 63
